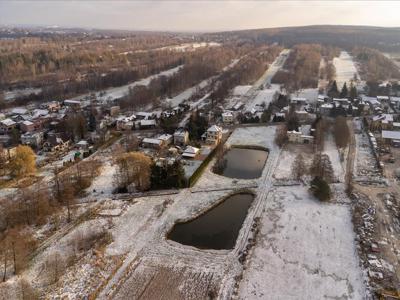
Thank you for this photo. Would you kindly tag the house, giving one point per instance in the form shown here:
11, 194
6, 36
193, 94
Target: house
33, 139
166, 139
298, 101
214, 135
382, 121
54, 144
7, 125
325, 109
74, 104
27, 126
53, 106
19, 111
190, 152
152, 143
181, 137
144, 115
303, 136
147, 124
227, 117
125, 123
391, 137
82, 145
114, 110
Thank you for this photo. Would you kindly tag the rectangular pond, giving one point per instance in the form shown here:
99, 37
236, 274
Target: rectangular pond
217, 228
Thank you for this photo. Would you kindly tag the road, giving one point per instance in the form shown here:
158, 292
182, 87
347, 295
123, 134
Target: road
267, 76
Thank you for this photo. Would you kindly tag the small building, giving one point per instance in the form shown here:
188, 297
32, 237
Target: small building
152, 143
391, 137
227, 117
7, 125
214, 135
27, 126
147, 124
82, 145
55, 144
181, 137
190, 152
53, 106
166, 139
33, 139
74, 104
303, 136
114, 110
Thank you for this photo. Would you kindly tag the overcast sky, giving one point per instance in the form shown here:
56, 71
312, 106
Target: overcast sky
198, 15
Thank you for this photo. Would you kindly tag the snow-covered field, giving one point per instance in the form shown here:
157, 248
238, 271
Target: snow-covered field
310, 94
118, 92
345, 69
287, 157
11, 95
306, 250
263, 96
331, 150
186, 94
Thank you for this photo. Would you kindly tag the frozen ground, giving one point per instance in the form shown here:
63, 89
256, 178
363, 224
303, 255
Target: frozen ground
345, 69
305, 250
287, 157
11, 95
241, 90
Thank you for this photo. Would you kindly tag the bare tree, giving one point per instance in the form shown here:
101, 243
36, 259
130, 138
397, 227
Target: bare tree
299, 167
281, 135
341, 132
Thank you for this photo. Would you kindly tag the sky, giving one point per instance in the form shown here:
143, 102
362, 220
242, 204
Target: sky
193, 15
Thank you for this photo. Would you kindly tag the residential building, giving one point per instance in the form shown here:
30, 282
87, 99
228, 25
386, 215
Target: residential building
227, 117
7, 125
214, 135
181, 137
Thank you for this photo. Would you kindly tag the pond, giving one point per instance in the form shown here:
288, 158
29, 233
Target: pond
217, 228
244, 163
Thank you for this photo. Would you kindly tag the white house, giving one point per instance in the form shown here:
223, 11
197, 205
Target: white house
181, 137
7, 125
214, 135
227, 117
190, 152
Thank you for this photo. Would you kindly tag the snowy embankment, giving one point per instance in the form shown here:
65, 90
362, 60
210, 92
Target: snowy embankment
119, 92
259, 136
306, 250
345, 69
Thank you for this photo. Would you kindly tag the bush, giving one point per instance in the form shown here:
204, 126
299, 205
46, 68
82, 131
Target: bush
320, 189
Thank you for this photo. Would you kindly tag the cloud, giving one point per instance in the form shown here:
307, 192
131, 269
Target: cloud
198, 15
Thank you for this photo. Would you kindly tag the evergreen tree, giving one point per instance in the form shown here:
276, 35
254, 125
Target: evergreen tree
353, 91
320, 189
344, 92
333, 90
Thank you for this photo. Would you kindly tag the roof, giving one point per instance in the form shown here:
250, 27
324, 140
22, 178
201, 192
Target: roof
72, 102
214, 128
8, 122
147, 122
389, 134
382, 97
165, 137
27, 123
19, 111
190, 151
227, 114
180, 132
152, 141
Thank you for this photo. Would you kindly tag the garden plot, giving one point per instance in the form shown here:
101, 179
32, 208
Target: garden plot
345, 69
305, 250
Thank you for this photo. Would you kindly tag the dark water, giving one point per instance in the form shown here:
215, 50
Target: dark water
218, 228
244, 163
